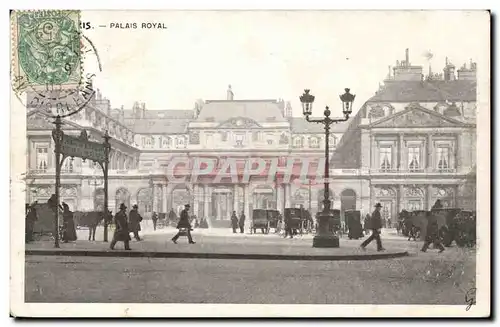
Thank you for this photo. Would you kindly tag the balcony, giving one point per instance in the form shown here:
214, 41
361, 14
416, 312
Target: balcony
407, 171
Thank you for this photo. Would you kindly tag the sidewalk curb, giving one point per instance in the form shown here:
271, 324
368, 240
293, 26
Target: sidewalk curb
188, 255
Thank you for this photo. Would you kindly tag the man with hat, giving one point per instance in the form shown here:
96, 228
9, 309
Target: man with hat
121, 231
184, 226
375, 226
135, 222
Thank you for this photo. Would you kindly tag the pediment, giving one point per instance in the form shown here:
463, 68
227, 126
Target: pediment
239, 122
417, 117
38, 121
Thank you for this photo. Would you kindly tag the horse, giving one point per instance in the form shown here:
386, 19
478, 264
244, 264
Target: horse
91, 220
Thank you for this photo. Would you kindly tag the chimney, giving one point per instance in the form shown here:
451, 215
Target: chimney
230, 94
449, 71
143, 110
389, 73
288, 109
407, 57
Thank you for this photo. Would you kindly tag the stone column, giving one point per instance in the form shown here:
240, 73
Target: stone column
279, 199
459, 153
288, 195
429, 196
196, 197
206, 194
236, 199
164, 198
155, 197
229, 209
372, 152
401, 157
246, 196
400, 198
430, 152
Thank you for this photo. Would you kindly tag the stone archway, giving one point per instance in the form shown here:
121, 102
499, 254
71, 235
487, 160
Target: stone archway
122, 196
181, 195
301, 197
99, 200
321, 197
347, 201
263, 197
145, 201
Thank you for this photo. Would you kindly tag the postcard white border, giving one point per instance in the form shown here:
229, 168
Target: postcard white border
18, 307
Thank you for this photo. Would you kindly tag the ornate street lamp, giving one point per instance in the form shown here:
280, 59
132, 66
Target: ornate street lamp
323, 237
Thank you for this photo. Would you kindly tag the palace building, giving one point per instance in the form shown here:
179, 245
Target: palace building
411, 143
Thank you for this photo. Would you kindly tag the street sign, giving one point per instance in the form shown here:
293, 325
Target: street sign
81, 147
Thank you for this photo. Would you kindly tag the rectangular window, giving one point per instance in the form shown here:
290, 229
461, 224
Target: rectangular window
443, 158
414, 158
239, 138
68, 165
42, 158
385, 158
255, 136
224, 136
414, 205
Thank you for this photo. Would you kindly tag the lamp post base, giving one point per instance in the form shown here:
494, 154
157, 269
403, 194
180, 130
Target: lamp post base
326, 241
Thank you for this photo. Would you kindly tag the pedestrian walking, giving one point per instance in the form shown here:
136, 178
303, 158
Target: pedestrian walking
135, 222
432, 236
154, 218
184, 226
234, 221
375, 225
242, 223
121, 233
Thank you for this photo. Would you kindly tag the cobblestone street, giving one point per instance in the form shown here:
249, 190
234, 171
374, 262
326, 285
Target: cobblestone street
422, 278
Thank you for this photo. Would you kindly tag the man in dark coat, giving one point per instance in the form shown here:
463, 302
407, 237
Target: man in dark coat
184, 226
437, 205
154, 218
288, 226
121, 230
375, 226
242, 223
135, 222
31, 218
432, 235
69, 230
234, 221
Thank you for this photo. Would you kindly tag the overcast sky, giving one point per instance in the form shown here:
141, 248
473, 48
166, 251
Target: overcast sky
270, 55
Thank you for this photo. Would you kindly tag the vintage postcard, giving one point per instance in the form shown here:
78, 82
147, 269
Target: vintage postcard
250, 163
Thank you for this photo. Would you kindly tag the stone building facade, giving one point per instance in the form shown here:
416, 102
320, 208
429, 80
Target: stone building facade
411, 143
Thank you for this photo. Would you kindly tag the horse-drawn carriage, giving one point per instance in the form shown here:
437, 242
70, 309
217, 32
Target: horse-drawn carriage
353, 222
264, 220
44, 225
453, 224
299, 219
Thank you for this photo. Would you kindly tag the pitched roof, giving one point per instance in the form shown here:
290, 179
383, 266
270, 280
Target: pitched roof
38, 120
166, 114
258, 110
434, 90
158, 126
300, 125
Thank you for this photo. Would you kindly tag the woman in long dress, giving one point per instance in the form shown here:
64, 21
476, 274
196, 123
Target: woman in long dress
69, 231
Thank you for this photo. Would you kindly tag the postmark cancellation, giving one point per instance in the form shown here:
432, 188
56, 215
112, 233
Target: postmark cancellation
46, 50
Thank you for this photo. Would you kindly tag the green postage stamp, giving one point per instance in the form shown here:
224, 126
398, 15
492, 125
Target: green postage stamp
46, 49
